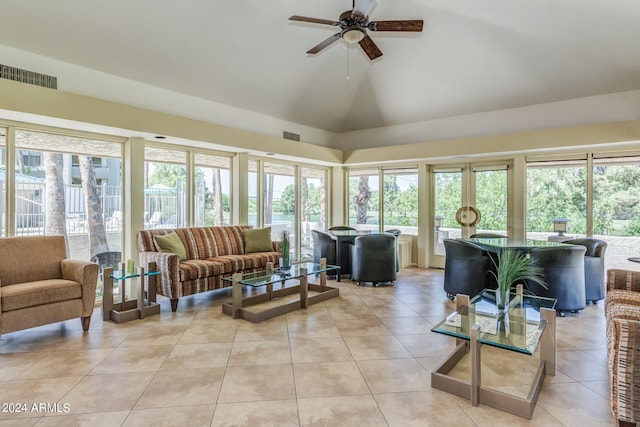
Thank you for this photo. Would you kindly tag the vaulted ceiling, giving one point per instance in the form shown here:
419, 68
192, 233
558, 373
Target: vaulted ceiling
473, 56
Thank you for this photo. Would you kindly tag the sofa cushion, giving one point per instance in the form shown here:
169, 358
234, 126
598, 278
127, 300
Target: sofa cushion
31, 294
171, 243
199, 268
257, 240
241, 263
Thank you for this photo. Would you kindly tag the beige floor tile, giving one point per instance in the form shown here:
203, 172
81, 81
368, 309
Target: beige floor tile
192, 416
316, 312
98, 419
107, 393
13, 364
192, 386
274, 329
428, 345
394, 375
376, 347
361, 327
249, 353
146, 336
581, 366
576, 405
348, 312
205, 332
603, 388
340, 411
133, 359
26, 393
409, 325
421, 409
304, 350
276, 413
208, 355
312, 329
486, 416
328, 379
254, 383
65, 364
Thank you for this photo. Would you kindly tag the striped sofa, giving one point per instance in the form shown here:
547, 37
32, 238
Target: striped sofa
622, 311
212, 253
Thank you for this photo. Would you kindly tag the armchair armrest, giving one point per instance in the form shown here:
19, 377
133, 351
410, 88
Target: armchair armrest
623, 279
85, 273
276, 245
169, 266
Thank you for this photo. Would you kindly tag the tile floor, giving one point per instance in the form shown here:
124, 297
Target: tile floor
362, 359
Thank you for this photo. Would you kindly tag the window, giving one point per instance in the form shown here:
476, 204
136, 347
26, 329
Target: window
313, 209
280, 200
364, 196
212, 190
252, 208
51, 200
616, 209
556, 189
491, 199
447, 200
30, 159
165, 198
401, 200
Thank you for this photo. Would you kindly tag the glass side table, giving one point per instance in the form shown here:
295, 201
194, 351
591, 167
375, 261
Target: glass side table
124, 311
529, 321
262, 307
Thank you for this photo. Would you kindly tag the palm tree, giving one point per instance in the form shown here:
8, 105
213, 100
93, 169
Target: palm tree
55, 221
97, 234
362, 199
217, 197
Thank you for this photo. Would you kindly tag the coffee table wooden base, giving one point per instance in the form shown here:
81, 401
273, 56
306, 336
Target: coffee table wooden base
243, 305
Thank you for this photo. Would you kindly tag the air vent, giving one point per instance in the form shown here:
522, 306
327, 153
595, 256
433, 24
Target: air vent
290, 135
30, 77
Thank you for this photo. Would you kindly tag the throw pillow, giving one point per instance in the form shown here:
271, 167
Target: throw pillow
171, 243
257, 240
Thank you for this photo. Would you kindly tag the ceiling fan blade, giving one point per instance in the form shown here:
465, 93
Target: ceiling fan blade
326, 43
407, 25
313, 20
370, 48
361, 8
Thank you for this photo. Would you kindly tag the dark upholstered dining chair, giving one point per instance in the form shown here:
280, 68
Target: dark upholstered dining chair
563, 268
594, 282
396, 233
325, 247
373, 259
488, 236
107, 259
466, 268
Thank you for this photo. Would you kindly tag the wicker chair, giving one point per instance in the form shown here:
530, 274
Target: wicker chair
622, 312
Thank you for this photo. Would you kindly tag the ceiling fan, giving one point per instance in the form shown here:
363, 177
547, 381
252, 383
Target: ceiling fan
354, 25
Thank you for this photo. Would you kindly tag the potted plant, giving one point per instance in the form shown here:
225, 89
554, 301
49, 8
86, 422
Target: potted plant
511, 267
285, 245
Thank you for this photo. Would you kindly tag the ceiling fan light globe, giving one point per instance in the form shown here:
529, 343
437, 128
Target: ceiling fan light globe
353, 36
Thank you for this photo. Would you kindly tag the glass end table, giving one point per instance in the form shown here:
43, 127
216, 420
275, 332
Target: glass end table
258, 308
144, 305
528, 322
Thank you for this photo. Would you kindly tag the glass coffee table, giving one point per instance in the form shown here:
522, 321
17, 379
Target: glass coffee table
528, 322
275, 302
